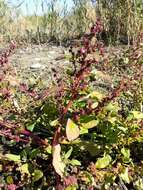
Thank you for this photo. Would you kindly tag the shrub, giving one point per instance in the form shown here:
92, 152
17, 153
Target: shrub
73, 136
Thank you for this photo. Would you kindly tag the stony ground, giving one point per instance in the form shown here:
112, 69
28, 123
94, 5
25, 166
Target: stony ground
36, 62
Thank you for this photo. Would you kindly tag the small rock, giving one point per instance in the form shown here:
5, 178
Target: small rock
60, 57
36, 66
37, 59
52, 52
21, 51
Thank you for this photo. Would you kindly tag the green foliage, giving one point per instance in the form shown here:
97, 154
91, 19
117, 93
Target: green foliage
72, 130
38, 174
103, 162
12, 157
76, 135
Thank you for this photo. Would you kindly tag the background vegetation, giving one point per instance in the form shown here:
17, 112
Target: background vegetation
122, 20
85, 130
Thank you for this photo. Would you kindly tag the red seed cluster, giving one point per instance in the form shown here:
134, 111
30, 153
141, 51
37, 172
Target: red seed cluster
4, 56
82, 67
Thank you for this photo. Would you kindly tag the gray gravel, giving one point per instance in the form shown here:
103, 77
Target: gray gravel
37, 61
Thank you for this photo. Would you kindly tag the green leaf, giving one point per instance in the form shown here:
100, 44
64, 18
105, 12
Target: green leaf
31, 127
96, 94
122, 128
75, 162
38, 174
13, 157
68, 154
103, 162
91, 147
112, 120
73, 187
125, 152
125, 176
112, 107
83, 130
49, 149
86, 118
138, 184
72, 130
54, 123
1, 168
24, 169
34, 153
137, 115
9, 180
90, 124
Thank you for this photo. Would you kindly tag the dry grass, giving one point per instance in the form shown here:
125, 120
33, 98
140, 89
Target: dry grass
122, 19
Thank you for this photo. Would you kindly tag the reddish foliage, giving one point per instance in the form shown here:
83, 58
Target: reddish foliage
11, 187
70, 180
